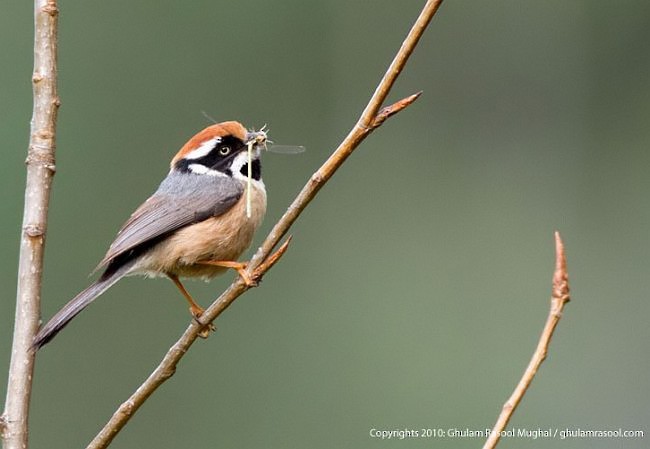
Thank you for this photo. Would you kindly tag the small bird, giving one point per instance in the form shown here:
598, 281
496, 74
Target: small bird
196, 225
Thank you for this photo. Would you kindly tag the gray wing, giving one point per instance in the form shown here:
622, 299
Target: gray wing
181, 199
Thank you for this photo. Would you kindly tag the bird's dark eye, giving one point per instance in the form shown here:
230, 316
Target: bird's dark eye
224, 151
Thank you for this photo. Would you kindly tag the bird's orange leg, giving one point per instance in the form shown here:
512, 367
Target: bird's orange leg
195, 309
239, 266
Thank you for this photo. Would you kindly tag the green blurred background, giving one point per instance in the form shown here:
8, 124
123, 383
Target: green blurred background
417, 282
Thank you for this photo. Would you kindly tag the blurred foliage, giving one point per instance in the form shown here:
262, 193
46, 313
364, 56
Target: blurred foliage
418, 281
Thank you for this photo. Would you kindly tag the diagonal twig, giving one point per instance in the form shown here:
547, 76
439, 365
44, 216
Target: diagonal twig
40, 172
559, 298
370, 119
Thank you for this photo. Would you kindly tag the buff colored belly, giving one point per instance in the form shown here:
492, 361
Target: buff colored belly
220, 238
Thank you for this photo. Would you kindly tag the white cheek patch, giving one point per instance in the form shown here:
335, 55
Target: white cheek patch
240, 160
203, 149
203, 170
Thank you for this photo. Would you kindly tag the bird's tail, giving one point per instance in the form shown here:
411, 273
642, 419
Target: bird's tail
77, 304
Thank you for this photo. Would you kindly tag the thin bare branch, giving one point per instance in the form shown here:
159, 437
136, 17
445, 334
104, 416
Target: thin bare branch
395, 68
40, 172
559, 298
259, 264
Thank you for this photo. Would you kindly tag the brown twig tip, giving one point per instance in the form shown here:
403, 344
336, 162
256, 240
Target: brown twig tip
560, 277
388, 111
558, 300
404, 102
271, 260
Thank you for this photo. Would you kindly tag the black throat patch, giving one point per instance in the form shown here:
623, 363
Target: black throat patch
256, 172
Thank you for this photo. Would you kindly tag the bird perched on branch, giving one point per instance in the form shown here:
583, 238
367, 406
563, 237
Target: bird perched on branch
199, 221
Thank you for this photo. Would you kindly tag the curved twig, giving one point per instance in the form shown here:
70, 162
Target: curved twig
559, 298
259, 264
40, 171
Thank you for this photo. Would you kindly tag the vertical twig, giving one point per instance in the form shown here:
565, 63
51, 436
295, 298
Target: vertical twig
40, 171
559, 298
